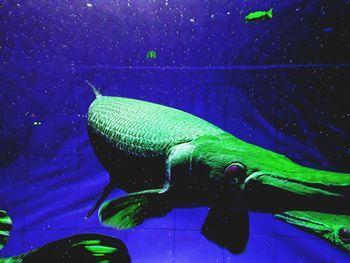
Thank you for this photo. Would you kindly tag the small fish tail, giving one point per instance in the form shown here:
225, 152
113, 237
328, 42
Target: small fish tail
269, 13
94, 89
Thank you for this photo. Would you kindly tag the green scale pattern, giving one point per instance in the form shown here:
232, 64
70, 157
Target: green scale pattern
143, 128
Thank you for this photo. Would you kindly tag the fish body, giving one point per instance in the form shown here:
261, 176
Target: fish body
168, 158
143, 129
259, 15
138, 136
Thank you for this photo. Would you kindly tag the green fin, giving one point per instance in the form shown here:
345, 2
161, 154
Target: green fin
5, 228
269, 13
333, 227
131, 210
227, 228
94, 89
78, 248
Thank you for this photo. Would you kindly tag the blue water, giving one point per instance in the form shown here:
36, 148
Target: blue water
280, 84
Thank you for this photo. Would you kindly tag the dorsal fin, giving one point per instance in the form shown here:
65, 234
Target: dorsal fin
94, 89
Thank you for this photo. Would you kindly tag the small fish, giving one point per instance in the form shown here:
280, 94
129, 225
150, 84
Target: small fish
259, 15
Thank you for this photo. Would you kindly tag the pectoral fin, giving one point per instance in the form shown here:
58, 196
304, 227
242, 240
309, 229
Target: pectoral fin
227, 228
333, 227
131, 210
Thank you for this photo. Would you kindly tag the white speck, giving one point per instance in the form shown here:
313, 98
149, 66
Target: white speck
88, 4
212, 16
228, 13
192, 20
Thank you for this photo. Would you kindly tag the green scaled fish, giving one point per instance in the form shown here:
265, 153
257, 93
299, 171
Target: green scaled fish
77, 248
259, 15
167, 158
5, 228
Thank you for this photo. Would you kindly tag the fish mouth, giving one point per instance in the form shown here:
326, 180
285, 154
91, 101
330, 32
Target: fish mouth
297, 186
271, 192
307, 224
332, 227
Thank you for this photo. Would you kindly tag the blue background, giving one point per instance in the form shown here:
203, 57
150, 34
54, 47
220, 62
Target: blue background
281, 84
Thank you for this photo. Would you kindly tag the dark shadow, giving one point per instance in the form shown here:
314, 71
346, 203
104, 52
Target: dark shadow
227, 228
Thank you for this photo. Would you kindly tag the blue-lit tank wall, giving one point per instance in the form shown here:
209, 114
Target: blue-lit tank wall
280, 84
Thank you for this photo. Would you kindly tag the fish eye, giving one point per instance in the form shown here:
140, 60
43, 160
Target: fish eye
236, 172
344, 235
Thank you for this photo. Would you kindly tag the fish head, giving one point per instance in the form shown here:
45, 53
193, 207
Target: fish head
334, 228
236, 168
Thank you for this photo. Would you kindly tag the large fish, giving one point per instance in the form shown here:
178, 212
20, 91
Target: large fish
169, 158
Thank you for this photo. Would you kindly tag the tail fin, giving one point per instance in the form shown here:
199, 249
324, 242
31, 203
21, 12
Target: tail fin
269, 13
94, 89
104, 195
